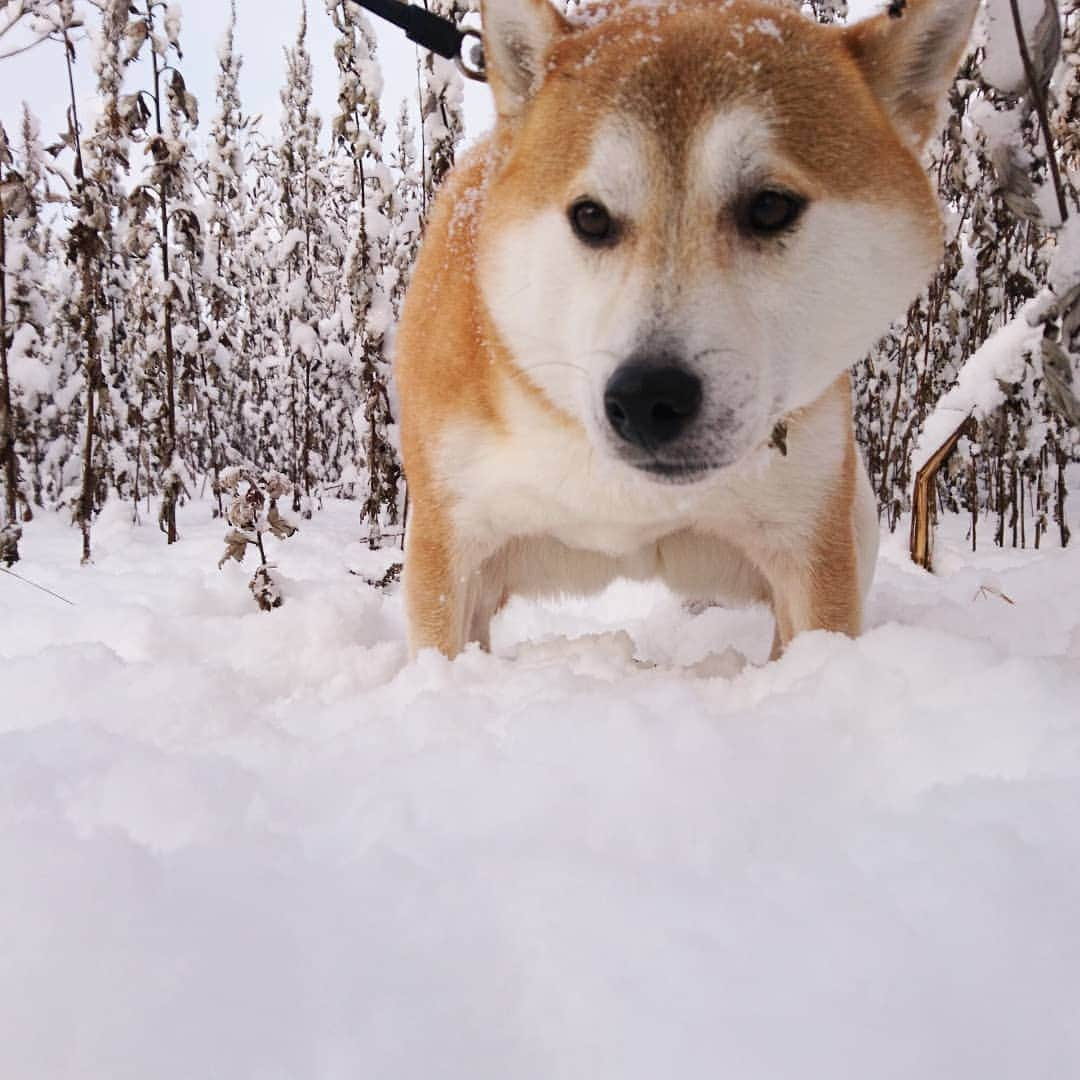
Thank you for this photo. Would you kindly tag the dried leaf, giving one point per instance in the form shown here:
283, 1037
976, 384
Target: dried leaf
241, 513
1059, 381
13, 195
185, 101
9, 543
265, 589
1069, 313
236, 545
277, 485
281, 528
191, 109
134, 113
158, 147
134, 37
1013, 169
984, 591
1045, 45
229, 478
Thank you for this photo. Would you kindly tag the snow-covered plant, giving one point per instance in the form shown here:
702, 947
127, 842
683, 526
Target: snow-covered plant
1065, 119
903, 376
259, 417
87, 305
832, 11
11, 193
388, 579
10, 535
28, 23
407, 208
442, 99
369, 270
38, 364
162, 217
252, 512
223, 370
303, 188
108, 150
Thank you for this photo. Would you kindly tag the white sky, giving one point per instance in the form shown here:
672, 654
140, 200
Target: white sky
264, 28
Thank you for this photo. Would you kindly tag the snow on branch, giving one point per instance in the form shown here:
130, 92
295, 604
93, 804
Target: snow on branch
1046, 329
981, 386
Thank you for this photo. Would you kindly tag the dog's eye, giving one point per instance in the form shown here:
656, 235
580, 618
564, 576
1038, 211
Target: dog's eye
592, 223
770, 211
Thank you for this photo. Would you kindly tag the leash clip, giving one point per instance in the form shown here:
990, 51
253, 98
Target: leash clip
470, 58
434, 33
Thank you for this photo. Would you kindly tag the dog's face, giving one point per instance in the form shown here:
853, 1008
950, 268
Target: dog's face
704, 212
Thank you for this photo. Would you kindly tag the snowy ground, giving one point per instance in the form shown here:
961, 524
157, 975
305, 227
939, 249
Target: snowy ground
246, 846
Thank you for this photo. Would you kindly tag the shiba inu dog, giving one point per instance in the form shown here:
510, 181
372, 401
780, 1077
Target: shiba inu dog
625, 345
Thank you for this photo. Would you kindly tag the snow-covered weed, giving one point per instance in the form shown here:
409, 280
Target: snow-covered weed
252, 513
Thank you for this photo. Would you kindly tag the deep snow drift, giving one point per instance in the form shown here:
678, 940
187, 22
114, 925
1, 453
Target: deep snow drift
242, 845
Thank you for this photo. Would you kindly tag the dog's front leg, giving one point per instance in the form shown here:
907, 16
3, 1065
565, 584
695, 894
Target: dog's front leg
818, 589
441, 582
453, 588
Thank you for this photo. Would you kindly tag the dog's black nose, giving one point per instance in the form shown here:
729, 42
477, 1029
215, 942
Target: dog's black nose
650, 404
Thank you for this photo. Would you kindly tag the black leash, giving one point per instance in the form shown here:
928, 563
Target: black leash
431, 31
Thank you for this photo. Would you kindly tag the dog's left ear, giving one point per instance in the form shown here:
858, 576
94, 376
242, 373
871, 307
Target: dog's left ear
909, 55
517, 36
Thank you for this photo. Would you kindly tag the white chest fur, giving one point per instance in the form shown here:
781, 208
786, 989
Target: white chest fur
539, 478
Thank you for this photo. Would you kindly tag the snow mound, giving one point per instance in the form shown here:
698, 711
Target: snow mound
247, 845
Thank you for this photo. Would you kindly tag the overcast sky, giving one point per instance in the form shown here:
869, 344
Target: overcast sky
264, 28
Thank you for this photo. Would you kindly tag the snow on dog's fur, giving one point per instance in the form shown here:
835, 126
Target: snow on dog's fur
689, 221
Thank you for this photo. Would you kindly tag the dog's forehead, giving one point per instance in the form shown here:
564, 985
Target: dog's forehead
667, 64
708, 80
628, 161
732, 146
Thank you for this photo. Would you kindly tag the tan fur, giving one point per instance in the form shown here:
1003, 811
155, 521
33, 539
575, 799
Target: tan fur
461, 388
822, 592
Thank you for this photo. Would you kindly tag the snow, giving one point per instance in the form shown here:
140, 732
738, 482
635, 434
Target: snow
1064, 273
767, 27
258, 845
28, 374
978, 390
291, 241
302, 338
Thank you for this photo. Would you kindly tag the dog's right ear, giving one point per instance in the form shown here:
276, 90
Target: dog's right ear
909, 55
517, 36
